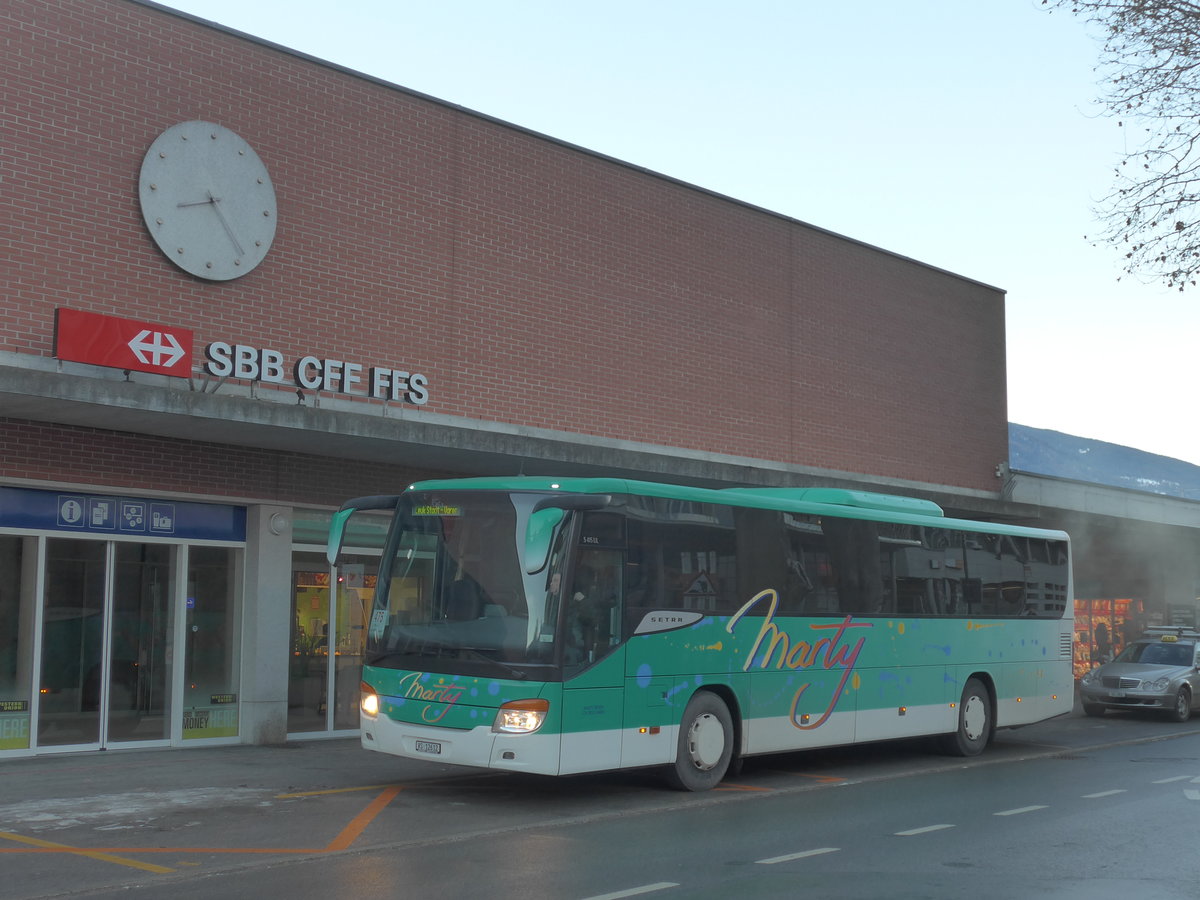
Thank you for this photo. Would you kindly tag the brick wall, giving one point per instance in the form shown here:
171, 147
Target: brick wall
533, 283
150, 464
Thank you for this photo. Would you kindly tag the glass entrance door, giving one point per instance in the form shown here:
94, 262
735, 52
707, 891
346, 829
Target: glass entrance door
106, 623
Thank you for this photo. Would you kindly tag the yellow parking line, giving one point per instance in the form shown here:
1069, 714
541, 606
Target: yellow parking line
351, 832
91, 854
348, 790
343, 841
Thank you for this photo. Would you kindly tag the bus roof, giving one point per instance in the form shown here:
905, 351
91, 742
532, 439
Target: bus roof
840, 502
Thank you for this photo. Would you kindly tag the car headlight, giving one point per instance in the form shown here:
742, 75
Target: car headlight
1091, 677
1160, 685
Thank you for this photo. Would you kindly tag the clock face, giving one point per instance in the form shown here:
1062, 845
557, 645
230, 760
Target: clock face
207, 200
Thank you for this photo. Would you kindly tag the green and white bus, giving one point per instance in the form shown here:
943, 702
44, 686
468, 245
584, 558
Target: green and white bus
559, 626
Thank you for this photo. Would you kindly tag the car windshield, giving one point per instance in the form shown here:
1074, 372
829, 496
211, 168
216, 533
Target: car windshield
1158, 654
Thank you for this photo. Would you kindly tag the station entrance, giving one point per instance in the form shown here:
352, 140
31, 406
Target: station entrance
112, 639
107, 622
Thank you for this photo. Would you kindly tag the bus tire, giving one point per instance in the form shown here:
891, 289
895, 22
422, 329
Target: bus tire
705, 744
975, 724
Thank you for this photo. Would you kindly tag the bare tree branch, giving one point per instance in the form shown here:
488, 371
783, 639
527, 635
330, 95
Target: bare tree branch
1150, 71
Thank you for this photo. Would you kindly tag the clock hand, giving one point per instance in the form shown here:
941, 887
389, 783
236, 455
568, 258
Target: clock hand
209, 202
225, 223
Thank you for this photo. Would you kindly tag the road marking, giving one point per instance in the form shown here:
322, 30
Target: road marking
91, 854
803, 854
634, 892
348, 790
925, 830
362, 820
1191, 794
1176, 778
1103, 794
1018, 811
344, 839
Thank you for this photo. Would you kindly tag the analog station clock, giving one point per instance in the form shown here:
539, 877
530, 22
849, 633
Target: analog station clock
207, 200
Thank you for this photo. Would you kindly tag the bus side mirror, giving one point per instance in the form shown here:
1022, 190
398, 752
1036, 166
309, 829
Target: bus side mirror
544, 520
337, 533
539, 535
337, 527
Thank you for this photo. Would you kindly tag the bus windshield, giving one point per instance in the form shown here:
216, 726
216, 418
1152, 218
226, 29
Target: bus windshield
455, 596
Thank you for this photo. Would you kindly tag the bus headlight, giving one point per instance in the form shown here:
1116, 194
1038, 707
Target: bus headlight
369, 701
521, 716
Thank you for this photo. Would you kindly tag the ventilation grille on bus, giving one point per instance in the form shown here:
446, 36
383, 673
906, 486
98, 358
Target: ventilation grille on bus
1065, 645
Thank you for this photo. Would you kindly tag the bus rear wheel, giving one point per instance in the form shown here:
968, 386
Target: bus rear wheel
705, 744
975, 723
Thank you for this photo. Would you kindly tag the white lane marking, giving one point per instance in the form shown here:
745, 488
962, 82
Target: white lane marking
801, 855
1176, 778
1019, 810
1103, 794
925, 830
634, 892
1191, 794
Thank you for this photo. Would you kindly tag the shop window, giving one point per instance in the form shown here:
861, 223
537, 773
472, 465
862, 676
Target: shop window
211, 649
309, 668
330, 614
17, 581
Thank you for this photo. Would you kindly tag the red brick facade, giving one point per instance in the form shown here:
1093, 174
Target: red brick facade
535, 284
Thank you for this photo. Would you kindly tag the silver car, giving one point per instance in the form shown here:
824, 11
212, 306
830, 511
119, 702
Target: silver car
1159, 671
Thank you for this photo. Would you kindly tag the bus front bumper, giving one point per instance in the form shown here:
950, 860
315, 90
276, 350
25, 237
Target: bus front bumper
481, 747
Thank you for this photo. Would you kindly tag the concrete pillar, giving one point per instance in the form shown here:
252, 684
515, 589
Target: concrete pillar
266, 625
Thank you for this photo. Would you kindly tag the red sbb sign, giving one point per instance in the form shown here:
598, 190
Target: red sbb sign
122, 343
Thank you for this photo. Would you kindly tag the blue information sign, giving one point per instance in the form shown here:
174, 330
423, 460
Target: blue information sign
101, 514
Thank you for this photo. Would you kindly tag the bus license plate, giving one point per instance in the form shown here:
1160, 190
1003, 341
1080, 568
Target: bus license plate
429, 747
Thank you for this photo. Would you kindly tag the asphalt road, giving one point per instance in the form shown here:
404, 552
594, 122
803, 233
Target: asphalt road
1071, 808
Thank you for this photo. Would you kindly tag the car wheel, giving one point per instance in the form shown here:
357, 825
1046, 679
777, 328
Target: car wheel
974, 722
1182, 711
705, 744
1093, 709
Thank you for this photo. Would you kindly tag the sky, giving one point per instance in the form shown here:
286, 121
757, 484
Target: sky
965, 135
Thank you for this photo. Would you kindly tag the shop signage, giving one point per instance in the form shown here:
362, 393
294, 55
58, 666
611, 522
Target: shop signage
122, 343
124, 516
166, 350
14, 730
205, 722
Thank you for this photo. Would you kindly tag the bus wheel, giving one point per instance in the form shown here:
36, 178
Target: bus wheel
974, 722
705, 744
